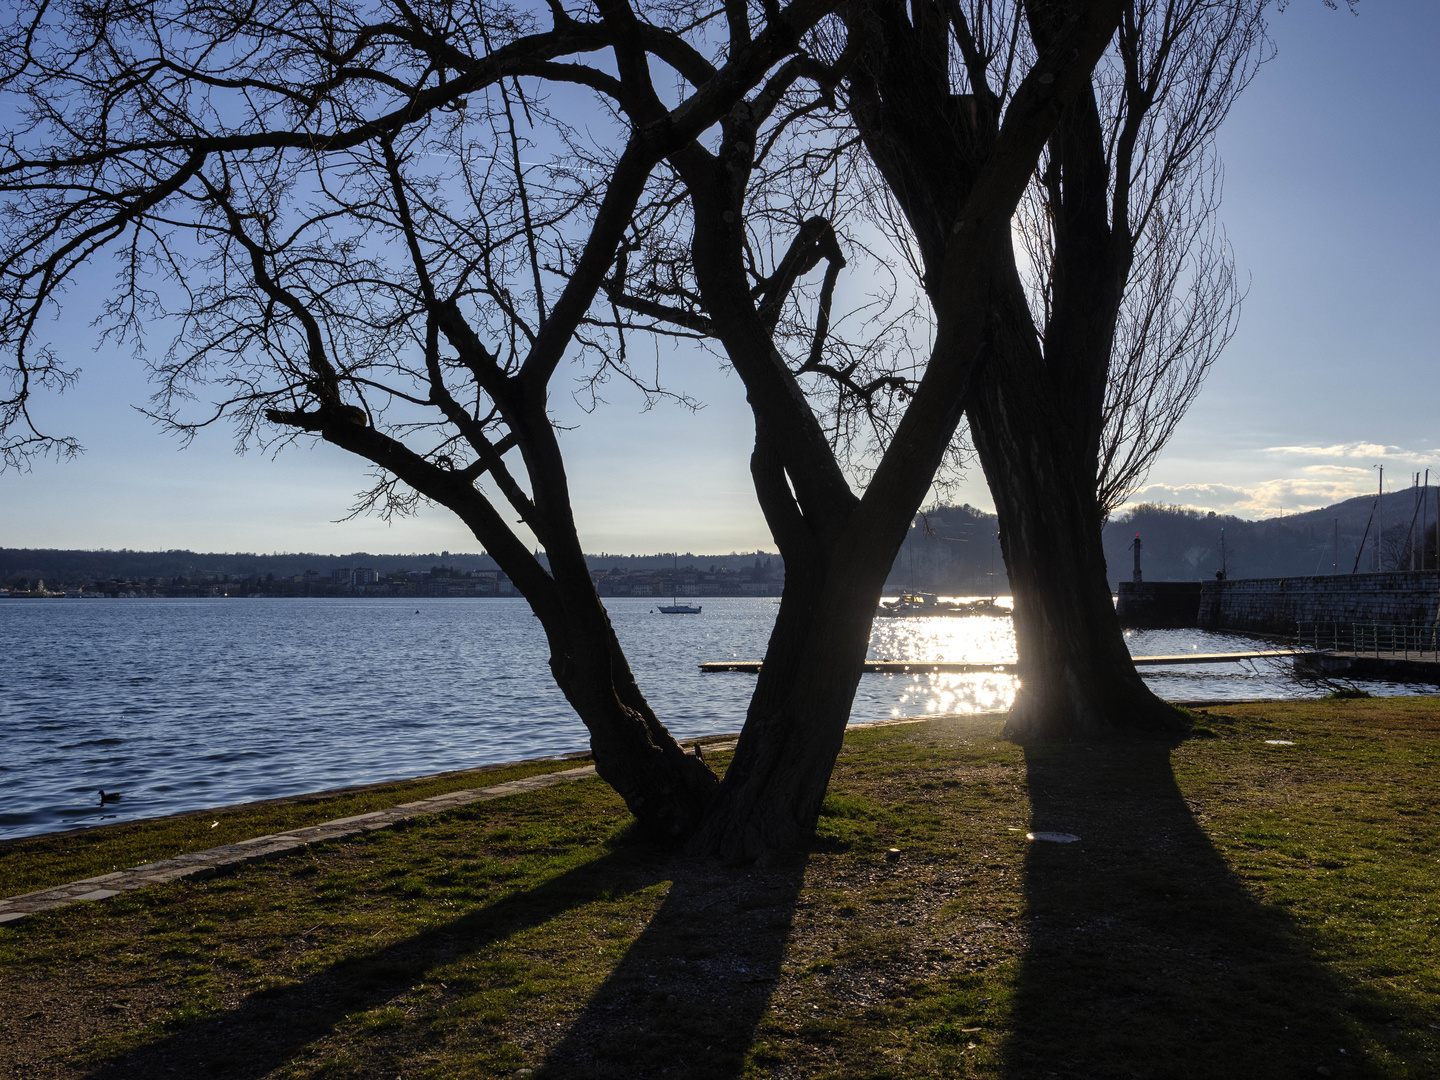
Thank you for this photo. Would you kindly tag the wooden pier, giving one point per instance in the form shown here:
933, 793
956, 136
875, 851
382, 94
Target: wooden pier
1382, 665
941, 667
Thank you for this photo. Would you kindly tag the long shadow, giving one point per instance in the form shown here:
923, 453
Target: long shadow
1143, 947
692, 989
268, 1029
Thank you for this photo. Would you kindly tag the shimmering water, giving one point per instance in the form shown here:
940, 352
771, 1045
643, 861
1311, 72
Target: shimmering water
184, 704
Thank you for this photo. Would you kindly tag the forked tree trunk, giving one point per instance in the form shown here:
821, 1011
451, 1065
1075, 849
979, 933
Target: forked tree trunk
666, 789
1076, 676
772, 792
959, 176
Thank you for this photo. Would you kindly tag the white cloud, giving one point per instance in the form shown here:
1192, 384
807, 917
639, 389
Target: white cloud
1198, 496
1348, 472
1269, 498
1293, 496
1345, 450
1312, 478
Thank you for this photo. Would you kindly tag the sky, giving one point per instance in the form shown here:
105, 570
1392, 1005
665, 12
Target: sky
1330, 173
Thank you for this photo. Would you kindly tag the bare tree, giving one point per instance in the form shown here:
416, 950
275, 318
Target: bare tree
1181, 299
356, 246
1180, 310
1102, 326
783, 169
1136, 286
333, 210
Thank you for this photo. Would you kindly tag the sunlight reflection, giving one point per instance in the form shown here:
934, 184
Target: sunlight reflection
975, 639
943, 693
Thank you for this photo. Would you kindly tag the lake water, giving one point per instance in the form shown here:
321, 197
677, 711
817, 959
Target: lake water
185, 704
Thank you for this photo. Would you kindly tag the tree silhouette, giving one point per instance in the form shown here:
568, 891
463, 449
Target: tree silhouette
335, 213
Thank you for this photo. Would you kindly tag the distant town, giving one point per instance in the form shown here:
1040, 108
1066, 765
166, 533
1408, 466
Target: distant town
765, 576
953, 550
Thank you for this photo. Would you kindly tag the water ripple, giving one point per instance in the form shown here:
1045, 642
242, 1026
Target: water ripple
185, 704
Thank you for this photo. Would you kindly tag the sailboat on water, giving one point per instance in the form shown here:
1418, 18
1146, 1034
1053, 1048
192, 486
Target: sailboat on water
675, 607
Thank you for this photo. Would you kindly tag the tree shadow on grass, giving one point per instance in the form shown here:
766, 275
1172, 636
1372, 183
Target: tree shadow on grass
685, 998
269, 1029
1148, 957
688, 996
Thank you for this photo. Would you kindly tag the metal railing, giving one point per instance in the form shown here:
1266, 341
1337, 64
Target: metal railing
1406, 639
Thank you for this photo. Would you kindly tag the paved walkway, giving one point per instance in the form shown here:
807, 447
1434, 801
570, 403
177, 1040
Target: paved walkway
201, 864
205, 863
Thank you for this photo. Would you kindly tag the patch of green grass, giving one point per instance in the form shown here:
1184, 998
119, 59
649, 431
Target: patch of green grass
1232, 908
1348, 693
44, 861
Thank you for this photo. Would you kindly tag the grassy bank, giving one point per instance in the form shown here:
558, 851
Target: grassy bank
1232, 908
42, 861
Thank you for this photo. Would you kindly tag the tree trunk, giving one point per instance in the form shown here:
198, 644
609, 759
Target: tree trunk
1076, 676
666, 789
959, 177
771, 795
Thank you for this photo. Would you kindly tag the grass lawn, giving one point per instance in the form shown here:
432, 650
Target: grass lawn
39, 862
1233, 908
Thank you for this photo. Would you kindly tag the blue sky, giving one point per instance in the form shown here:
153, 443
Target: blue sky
1331, 169
1331, 165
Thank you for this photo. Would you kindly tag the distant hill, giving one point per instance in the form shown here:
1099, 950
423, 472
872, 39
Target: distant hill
60, 566
1184, 545
949, 549
953, 549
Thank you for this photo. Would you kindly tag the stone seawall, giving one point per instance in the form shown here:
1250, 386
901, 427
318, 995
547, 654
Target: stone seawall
1275, 605
1160, 605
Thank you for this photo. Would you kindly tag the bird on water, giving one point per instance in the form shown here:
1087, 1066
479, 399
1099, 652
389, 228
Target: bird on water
114, 796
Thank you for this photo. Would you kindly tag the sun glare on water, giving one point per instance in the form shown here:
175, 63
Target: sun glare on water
974, 639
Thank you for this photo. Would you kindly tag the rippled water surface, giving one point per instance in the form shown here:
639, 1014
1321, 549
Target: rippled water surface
183, 704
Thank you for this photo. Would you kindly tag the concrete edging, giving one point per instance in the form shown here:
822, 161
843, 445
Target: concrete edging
202, 864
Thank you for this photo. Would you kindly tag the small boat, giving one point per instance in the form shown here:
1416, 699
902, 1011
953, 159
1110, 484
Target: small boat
675, 607
912, 602
928, 605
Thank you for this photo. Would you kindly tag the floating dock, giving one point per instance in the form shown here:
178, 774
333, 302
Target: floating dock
1381, 665
941, 667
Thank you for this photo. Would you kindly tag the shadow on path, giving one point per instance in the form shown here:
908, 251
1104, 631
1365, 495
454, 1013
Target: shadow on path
692, 989
1144, 946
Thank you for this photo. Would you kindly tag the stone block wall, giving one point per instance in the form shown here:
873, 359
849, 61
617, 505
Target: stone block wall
1158, 604
1275, 605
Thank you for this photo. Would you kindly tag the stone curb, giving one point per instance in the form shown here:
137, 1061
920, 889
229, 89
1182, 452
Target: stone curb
203, 864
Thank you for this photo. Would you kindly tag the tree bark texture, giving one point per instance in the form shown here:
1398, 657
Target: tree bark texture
772, 792
1076, 676
666, 789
